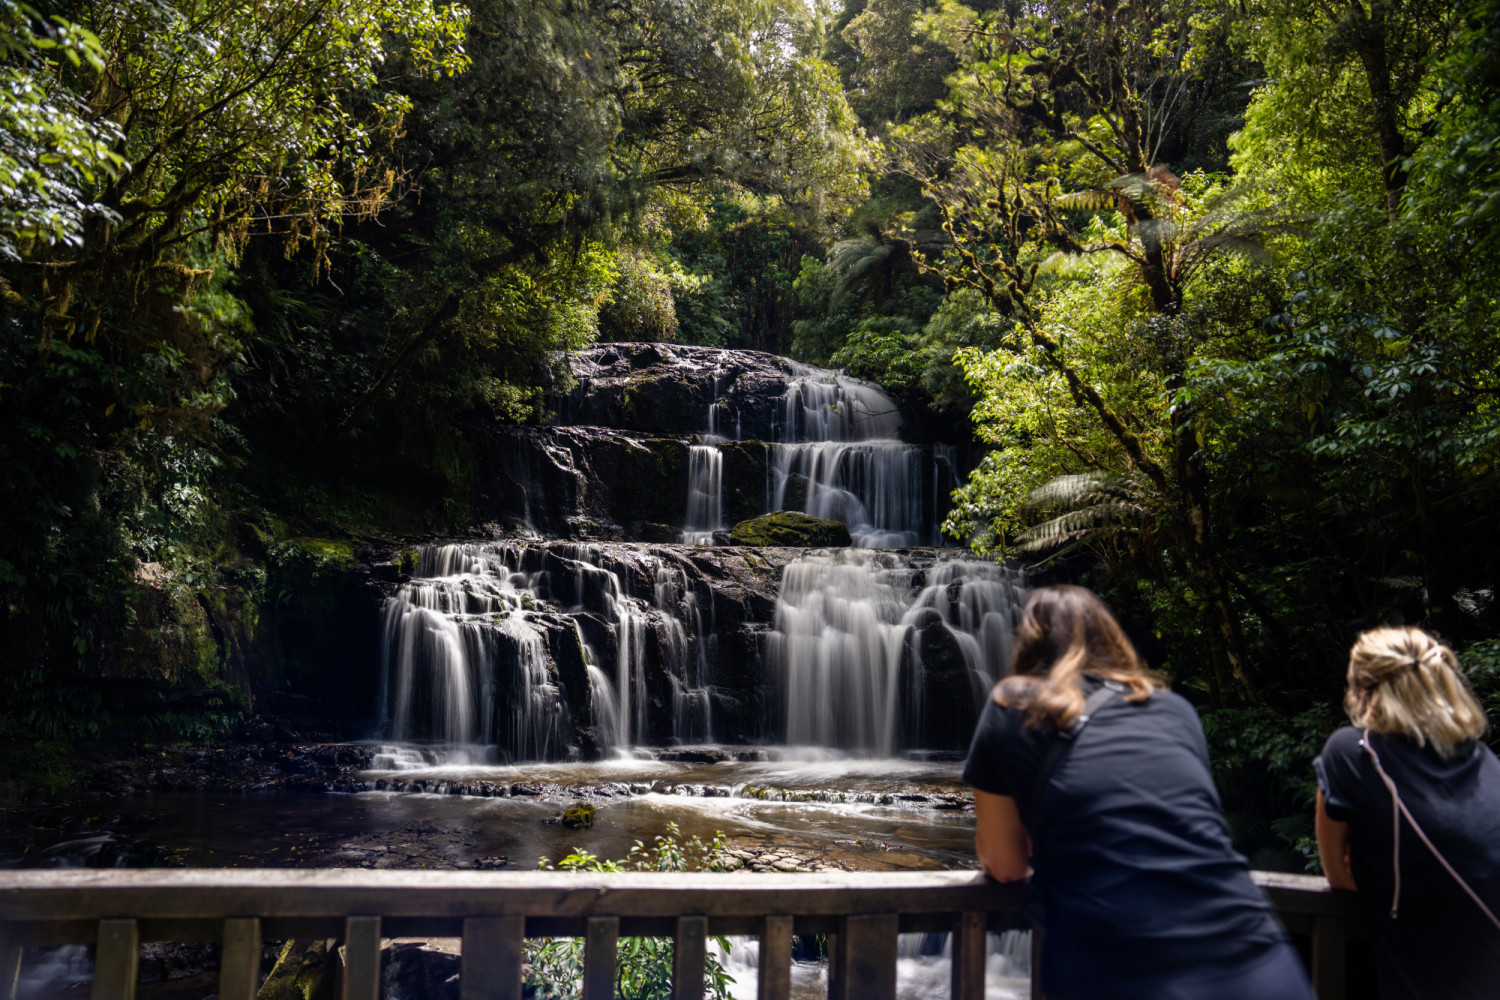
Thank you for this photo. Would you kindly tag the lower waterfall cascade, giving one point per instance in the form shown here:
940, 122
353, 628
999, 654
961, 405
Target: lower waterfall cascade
535, 649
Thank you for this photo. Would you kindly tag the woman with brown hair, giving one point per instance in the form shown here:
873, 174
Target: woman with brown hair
1096, 781
1409, 817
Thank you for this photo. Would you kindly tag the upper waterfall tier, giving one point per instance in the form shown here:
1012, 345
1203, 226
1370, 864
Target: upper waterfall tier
667, 389
661, 443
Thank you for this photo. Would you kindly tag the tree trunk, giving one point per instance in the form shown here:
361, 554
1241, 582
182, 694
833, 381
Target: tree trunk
1370, 44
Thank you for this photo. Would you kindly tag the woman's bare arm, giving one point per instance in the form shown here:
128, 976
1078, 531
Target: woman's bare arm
1000, 838
1333, 847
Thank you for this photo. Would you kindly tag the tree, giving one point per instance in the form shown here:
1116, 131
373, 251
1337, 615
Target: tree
1062, 116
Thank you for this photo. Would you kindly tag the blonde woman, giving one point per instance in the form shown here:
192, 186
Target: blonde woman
1095, 782
1409, 817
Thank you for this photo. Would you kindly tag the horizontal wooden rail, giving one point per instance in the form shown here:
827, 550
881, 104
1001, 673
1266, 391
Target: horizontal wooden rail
862, 912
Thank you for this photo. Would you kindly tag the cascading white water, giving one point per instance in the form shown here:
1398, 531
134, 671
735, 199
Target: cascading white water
840, 457
692, 716
705, 504
844, 643
466, 658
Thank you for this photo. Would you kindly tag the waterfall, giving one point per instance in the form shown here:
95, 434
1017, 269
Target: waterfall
470, 648
840, 457
536, 649
705, 504
849, 638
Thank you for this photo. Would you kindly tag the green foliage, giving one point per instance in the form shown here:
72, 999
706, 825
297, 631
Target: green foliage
57, 156
1262, 762
1455, 177
643, 969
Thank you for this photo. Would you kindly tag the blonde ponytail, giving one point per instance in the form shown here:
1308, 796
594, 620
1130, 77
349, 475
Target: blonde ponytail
1403, 681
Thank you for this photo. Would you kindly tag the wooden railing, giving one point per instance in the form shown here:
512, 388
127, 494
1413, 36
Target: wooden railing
493, 912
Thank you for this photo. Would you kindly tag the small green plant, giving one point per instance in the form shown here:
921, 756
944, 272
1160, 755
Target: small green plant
643, 965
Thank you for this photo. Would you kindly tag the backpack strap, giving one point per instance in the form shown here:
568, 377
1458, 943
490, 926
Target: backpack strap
1064, 741
1398, 810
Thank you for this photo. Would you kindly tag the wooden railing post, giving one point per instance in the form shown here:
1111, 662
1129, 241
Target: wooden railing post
1038, 939
689, 958
117, 960
836, 989
600, 943
361, 958
1328, 977
239, 961
490, 966
775, 973
867, 948
968, 957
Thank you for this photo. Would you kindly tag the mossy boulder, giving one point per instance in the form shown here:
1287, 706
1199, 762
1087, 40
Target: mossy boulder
304, 970
579, 817
791, 528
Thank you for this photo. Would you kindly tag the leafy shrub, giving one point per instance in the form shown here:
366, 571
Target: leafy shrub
643, 965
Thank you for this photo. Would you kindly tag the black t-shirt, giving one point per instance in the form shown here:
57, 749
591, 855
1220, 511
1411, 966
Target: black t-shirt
1440, 946
1133, 866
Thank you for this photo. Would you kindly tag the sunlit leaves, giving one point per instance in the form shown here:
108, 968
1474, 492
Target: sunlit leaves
54, 155
265, 116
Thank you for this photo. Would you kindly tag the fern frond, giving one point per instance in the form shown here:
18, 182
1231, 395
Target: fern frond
1087, 201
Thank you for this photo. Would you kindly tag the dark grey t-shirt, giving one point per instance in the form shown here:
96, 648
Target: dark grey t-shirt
1134, 869
1440, 946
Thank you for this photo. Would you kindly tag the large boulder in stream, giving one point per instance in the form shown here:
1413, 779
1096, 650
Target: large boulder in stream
791, 529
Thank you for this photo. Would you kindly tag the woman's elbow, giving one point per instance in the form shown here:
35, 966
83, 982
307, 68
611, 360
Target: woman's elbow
1006, 869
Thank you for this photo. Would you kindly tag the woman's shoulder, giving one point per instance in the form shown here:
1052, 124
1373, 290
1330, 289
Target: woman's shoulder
1344, 742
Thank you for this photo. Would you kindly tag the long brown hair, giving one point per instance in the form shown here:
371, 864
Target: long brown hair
1064, 633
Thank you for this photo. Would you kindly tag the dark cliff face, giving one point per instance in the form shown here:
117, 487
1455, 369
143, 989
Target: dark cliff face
666, 389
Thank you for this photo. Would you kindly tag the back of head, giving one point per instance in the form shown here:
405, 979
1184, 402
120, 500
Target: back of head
1405, 682
1065, 632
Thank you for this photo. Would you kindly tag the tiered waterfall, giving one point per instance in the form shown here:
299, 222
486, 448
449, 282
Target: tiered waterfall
615, 615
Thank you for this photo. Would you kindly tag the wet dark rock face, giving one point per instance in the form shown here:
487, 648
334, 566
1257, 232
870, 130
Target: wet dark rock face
667, 389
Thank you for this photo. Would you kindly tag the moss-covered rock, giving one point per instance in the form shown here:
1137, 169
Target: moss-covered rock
304, 971
791, 528
579, 817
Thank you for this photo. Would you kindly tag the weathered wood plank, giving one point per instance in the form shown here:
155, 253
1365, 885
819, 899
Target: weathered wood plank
867, 943
239, 962
492, 955
689, 958
774, 977
117, 960
291, 893
968, 957
1328, 954
600, 943
361, 959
